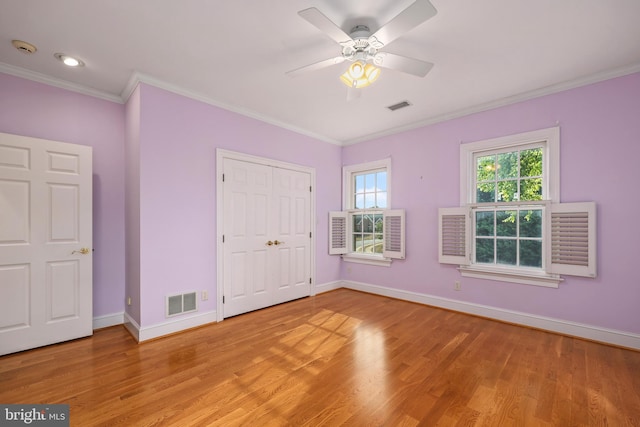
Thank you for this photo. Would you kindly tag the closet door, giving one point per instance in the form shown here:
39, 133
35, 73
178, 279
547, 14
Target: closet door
247, 218
267, 258
292, 230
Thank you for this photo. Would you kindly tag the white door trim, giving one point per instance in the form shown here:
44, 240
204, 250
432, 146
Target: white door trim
222, 154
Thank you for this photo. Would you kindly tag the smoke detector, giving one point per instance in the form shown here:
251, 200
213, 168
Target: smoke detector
24, 47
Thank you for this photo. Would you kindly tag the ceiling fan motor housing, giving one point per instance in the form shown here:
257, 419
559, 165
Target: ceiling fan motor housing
359, 47
360, 32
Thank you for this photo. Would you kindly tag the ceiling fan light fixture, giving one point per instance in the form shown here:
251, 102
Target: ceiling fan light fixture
356, 70
360, 74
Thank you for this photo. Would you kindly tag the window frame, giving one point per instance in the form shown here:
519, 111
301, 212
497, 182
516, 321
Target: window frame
348, 179
550, 167
549, 139
348, 174
495, 237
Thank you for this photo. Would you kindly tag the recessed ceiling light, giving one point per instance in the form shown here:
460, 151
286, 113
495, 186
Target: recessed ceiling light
69, 61
24, 47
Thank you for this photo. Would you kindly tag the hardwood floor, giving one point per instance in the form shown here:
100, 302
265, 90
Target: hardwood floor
340, 358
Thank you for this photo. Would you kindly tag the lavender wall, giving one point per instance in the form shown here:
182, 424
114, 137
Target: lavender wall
132, 205
600, 149
178, 141
41, 111
170, 192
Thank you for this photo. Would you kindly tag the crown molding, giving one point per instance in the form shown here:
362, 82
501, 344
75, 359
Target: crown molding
524, 96
137, 78
60, 83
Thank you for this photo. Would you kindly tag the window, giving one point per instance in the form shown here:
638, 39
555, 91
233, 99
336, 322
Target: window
508, 227
367, 231
505, 233
368, 198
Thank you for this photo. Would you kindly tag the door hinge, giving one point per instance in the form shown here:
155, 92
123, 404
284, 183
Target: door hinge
223, 299
309, 189
309, 234
309, 280
222, 177
223, 238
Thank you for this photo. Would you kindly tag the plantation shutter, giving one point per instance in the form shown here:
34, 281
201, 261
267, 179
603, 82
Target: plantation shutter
338, 233
572, 237
394, 232
453, 236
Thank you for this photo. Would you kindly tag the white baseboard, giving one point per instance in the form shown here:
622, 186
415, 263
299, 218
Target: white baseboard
594, 333
145, 333
132, 326
108, 320
330, 286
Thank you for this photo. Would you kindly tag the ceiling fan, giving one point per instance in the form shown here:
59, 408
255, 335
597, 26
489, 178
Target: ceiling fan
363, 48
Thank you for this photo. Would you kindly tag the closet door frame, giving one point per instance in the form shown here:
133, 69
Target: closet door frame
221, 155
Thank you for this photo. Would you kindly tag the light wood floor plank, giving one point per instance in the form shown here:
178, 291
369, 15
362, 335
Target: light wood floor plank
339, 358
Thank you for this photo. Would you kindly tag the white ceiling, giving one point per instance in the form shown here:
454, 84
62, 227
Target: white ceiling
235, 54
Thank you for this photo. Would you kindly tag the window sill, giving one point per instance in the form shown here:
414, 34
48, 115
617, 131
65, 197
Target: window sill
511, 276
367, 259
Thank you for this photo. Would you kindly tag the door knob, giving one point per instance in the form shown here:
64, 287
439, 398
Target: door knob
269, 243
82, 251
278, 243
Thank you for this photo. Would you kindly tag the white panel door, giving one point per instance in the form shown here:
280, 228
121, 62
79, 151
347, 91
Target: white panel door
267, 258
247, 213
45, 241
291, 231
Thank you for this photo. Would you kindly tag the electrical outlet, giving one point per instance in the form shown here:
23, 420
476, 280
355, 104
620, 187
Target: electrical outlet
456, 286
205, 295
128, 300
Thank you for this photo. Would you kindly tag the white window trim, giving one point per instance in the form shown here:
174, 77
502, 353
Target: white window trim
551, 165
367, 259
551, 172
348, 197
508, 275
347, 180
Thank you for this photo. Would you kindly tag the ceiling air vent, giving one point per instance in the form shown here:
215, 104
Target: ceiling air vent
398, 106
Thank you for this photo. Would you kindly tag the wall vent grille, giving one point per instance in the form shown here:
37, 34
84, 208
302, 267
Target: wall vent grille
181, 303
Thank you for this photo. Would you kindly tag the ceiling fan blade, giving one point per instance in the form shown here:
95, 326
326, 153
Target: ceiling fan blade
324, 24
315, 66
414, 15
403, 63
